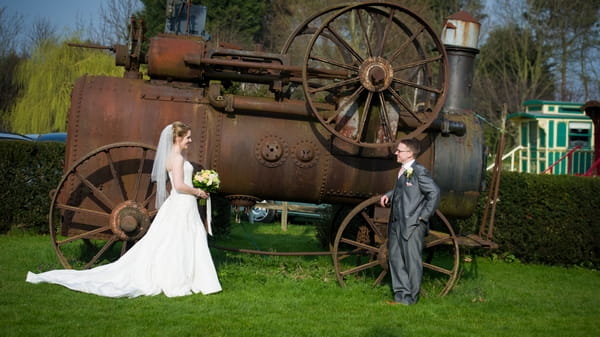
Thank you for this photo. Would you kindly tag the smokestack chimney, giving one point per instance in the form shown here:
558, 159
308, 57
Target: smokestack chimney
460, 37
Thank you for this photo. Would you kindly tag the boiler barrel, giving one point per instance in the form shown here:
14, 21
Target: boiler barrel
260, 153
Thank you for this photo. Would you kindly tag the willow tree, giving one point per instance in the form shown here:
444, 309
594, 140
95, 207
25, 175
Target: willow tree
47, 79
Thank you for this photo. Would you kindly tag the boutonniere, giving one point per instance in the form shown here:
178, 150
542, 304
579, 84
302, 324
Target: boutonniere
409, 172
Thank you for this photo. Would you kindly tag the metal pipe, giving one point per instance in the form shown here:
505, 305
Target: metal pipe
297, 108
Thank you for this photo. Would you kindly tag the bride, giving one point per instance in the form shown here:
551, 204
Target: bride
173, 257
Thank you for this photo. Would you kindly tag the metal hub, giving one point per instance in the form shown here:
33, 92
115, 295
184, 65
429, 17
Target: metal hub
376, 74
271, 151
129, 220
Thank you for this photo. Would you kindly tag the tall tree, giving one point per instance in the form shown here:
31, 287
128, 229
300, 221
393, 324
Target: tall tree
10, 31
570, 30
47, 78
512, 67
236, 21
154, 16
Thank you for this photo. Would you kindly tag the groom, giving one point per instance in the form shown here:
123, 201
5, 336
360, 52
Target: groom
413, 201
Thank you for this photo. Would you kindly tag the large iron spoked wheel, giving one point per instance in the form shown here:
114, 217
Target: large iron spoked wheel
360, 249
103, 204
296, 43
393, 87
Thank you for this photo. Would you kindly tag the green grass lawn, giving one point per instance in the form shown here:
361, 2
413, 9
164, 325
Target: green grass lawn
299, 296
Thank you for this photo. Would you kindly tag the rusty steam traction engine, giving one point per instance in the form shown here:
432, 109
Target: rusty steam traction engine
349, 82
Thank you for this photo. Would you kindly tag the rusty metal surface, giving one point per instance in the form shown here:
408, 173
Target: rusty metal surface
461, 30
459, 168
255, 153
166, 56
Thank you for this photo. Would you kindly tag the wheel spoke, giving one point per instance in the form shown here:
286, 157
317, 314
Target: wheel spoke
437, 268
363, 118
359, 244
345, 107
380, 277
88, 234
404, 104
124, 246
332, 62
365, 33
368, 219
417, 85
405, 44
345, 44
115, 175
99, 194
82, 210
138, 178
146, 201
385, 33
439, 241
361, 267
417, 63
334, 85
384, 120
104, 248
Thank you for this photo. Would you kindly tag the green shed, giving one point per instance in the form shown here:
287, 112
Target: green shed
553, 136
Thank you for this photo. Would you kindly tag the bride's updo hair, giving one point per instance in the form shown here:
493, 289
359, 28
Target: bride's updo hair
180, 129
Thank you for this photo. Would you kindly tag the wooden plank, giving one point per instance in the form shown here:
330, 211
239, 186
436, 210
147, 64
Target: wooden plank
292, 207
284, 216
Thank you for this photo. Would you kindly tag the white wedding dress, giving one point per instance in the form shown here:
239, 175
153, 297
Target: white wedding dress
172, 258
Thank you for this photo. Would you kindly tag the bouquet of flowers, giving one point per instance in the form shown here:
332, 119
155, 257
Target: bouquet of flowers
207, 180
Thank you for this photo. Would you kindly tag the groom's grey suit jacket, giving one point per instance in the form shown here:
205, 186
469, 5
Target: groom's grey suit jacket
413, 199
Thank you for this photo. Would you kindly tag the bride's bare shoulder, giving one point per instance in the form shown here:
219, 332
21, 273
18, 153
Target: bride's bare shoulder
175, 159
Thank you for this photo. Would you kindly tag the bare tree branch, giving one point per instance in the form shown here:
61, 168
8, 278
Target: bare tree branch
40, 32
10, 30
115, 16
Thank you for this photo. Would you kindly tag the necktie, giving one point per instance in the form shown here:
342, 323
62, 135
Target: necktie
402, 169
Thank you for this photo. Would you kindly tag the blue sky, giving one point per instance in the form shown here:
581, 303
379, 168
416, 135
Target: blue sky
63, 14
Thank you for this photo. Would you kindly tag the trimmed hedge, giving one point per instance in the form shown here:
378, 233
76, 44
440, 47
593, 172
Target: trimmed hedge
28, 172
548, 219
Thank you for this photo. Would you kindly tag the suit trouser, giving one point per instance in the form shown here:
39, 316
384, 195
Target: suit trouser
406, 263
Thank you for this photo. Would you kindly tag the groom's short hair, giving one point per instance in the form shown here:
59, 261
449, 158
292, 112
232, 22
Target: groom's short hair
413, 144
